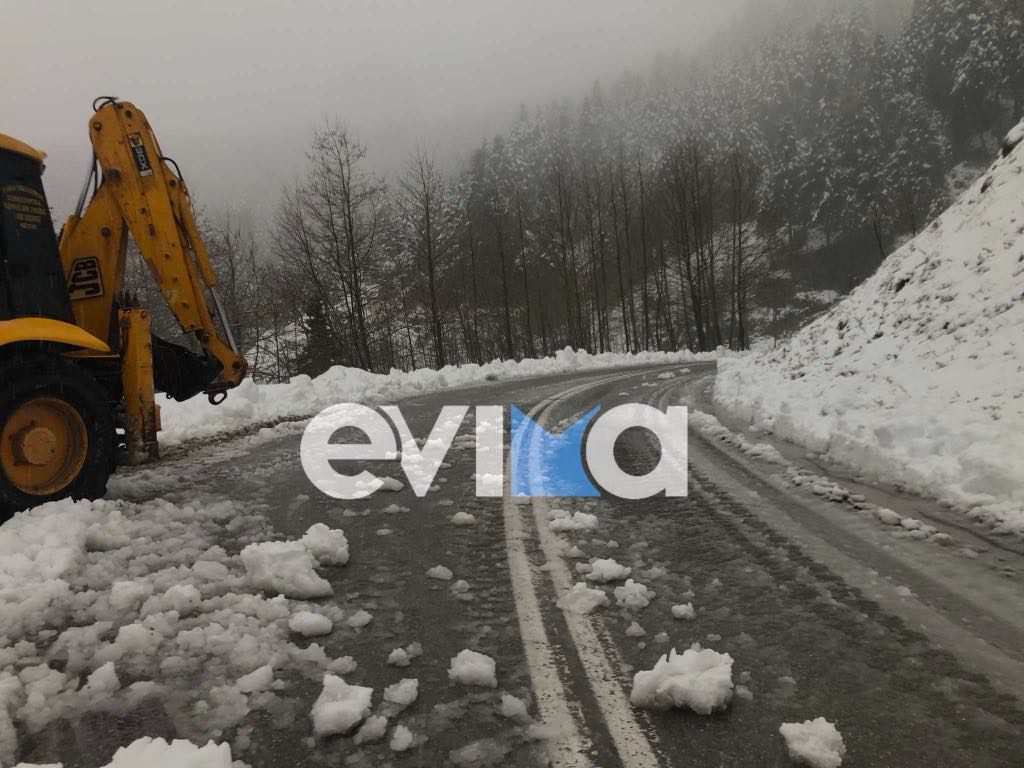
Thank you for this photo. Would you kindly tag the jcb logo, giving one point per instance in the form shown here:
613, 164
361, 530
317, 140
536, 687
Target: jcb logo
85, 281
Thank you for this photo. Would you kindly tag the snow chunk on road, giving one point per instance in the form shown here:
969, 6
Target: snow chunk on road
359, 619
372, 730
398, 658
391, 484
577, 521
582, 599
341, 707
257, 680
285, 567
816, 743
328, 545
887, 517
514, 708
635, 630
404, 692
700, 680
183, 598
440, 573
634, 595
102, 682
157, 753
684, 611
463, 520
309, 624
472, 668
401, 739
607, 570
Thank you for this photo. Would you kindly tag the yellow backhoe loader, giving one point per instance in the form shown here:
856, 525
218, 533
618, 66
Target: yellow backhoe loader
79, 367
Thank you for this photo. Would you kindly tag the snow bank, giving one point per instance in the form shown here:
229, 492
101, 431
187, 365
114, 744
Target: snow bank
251, 404
700, 680
815, 743
917, 377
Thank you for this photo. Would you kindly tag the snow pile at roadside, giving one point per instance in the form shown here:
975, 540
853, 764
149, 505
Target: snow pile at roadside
108, 606
917, 378
815, 743
251, 404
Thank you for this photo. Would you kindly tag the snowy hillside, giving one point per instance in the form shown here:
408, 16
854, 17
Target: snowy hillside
917, 378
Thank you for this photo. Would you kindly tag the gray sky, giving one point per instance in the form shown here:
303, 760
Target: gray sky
233, 88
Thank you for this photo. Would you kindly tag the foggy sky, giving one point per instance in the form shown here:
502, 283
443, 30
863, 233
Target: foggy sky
234, 88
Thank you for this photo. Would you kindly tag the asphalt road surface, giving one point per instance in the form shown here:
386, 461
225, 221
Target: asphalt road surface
915, 650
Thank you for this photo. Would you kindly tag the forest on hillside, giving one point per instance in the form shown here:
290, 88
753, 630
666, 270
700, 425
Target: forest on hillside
704, 203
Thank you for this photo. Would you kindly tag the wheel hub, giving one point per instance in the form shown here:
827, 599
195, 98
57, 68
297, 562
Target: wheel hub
43, 446
36, 446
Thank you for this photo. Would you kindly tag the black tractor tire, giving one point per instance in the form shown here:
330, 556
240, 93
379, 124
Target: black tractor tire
25, 376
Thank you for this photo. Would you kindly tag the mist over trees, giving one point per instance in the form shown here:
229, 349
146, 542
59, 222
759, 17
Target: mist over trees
689, 207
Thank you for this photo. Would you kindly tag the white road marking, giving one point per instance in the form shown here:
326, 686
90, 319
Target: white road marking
568, 748
631, 743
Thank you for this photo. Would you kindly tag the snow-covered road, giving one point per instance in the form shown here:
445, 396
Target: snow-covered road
802, 607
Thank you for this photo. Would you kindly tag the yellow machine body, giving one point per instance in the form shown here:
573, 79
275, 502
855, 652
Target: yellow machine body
78, 358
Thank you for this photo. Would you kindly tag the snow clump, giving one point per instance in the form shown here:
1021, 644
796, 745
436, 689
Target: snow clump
815, 743
700, 680
472, 668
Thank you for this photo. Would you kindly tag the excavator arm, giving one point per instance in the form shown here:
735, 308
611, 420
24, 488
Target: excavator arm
138, 192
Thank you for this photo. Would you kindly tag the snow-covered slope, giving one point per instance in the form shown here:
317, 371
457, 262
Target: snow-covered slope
252, 404
918, 376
